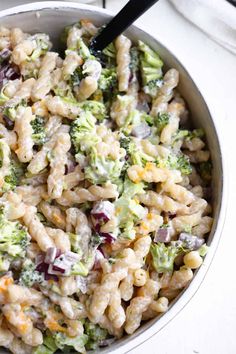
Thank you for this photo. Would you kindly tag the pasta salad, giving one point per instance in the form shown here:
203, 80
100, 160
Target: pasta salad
104, 191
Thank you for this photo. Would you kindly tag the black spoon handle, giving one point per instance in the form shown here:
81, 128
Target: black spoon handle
127, 15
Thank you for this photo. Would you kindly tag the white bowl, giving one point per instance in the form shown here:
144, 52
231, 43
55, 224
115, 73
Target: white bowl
51, 17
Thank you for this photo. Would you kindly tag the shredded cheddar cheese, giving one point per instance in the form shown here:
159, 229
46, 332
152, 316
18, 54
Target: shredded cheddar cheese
51, 321
5, 281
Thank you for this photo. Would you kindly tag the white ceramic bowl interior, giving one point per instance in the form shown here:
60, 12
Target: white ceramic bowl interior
52, 17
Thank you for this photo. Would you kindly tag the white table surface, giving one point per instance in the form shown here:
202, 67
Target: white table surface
207, 324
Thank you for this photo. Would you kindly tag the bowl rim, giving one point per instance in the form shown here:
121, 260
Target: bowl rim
194, 285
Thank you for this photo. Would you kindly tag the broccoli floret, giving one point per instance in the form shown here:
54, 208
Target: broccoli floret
149, 56
175, 162
102, 169
187, 228
137, 118
15, 168
205, 170
29, 276
163, 256
10, 111
75, 240
76, 77
108, 79
42, 349
161, 121
82, 125
14, 239
48, 347
107, 85
180, 134
183, 164
150, 63
79, 268
78, 343
83, 50
178, 162
13, 179
43, 45
39, 134
108, 56
132, 119
3, 97
138, 157
123, 104
128, 232
147, 118
125, 141
83, 266
95, 334
187, 134
49, 342
64, 90
10, 182
196, 133
203, 250
152, 87
97, 109
135, 155
128, 211
131, 189
83, 132
134, 61
110, 51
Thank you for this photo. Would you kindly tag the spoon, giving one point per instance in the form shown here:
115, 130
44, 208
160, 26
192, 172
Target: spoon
127, 15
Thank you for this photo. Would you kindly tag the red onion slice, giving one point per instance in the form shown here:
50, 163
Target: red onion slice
50, 255
108, 238
42, 267
59, 252
101, 250
103, 210
192, 242
107, 342
97, 227
70, 166
57, 269
12, 73
5, 54
162, 235
8, 122
39, 258
8, 72
62, 262
51, 277
98, 257
143, 106
54, 270
72, 257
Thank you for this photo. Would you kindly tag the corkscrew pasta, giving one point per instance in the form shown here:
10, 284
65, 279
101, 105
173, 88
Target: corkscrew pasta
105, 204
